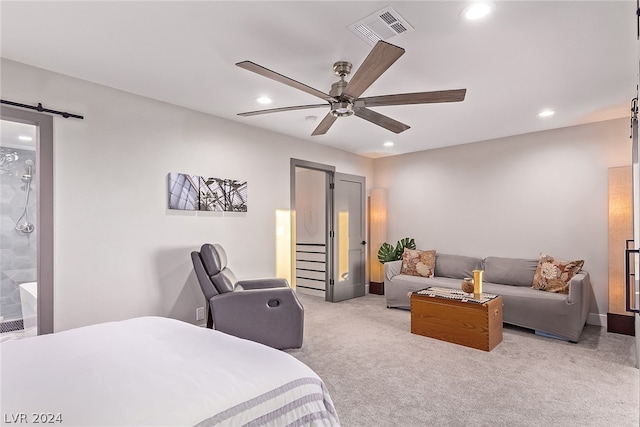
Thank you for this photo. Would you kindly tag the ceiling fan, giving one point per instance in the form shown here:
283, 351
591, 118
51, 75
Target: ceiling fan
344, 97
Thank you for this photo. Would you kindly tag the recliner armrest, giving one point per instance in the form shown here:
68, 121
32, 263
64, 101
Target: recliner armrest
271, 316
247, 304
263, 283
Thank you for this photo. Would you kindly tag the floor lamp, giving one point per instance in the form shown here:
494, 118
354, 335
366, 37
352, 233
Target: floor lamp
377, 236
620, 230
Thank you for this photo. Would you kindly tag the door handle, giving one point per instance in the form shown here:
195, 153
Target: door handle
364, 242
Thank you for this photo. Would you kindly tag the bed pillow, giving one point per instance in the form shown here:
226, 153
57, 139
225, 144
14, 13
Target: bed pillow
554, 275
418, 263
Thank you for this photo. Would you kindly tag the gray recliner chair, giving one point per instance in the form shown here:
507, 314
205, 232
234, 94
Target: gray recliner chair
262, 310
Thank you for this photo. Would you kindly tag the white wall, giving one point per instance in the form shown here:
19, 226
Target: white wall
514, 197
119, 252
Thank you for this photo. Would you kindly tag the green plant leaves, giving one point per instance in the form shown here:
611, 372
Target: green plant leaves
404, 243
388, 253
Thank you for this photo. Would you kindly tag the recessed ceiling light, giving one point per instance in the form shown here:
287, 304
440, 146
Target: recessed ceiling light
546, 113
388, 144
264, 100
477, 10
25, 138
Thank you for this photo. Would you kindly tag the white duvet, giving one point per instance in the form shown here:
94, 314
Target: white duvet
154, 371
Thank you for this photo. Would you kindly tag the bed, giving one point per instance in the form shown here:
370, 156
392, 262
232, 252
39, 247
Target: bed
154, 371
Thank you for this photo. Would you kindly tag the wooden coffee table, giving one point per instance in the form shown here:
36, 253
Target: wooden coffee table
454, 316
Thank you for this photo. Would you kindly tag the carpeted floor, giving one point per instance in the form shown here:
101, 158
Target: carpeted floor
379, 374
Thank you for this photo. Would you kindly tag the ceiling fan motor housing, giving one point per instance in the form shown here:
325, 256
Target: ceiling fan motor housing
337, 88
343, 107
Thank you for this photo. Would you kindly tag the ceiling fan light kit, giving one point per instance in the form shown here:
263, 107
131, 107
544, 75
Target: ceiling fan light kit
344, 97
341, 109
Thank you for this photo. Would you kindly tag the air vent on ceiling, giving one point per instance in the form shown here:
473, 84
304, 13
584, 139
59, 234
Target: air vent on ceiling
382, 25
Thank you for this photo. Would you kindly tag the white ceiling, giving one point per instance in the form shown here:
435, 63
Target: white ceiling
578, 58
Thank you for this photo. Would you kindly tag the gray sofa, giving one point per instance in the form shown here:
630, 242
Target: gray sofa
560, 315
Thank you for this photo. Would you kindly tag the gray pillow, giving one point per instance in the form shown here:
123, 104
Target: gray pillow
509, 271
456, 266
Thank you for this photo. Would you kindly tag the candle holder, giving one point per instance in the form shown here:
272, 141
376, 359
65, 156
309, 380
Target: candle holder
477, 283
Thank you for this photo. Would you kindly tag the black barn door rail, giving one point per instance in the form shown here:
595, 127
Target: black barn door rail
41, 109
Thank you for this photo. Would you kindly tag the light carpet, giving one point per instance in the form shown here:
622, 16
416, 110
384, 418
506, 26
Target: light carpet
380, 374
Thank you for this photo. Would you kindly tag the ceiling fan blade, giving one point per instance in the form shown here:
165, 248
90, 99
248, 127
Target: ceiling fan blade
277, 110
381, 120
381, 57
324, 125
456, 95
258, 69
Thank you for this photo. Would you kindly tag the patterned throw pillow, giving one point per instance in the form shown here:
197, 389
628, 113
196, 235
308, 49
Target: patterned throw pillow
418, 263
554, 275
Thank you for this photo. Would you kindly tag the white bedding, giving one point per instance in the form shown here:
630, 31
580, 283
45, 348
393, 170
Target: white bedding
154, 371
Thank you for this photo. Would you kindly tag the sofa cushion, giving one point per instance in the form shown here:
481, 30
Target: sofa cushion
456, 266
510, 271
553, 275
418, 263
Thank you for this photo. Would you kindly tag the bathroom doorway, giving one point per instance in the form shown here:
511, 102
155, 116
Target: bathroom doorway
328, 231
26, 224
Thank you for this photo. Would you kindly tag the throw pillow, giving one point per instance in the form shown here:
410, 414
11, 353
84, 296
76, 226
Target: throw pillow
418, 263
554, 275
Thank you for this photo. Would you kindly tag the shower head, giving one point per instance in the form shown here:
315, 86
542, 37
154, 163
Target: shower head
28, 165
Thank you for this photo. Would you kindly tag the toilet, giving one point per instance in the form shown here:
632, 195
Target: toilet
29, 302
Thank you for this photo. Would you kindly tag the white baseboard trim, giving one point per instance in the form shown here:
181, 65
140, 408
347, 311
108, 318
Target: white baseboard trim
597, 319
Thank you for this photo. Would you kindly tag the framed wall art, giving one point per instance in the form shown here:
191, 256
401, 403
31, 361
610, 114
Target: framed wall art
193, 192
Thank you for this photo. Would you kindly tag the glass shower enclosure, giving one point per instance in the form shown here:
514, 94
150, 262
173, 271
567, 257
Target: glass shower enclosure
18, 231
